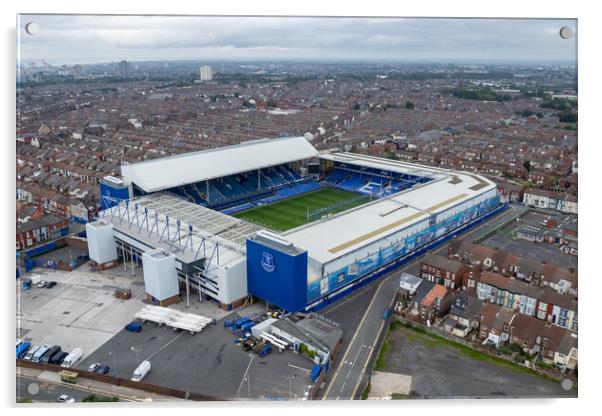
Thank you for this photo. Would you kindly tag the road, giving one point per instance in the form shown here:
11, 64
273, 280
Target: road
362, 331
45, 391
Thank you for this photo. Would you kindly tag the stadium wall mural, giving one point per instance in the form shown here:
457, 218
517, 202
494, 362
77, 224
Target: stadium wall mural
374, 261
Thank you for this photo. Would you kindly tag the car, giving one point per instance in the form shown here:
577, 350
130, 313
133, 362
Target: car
103, 369
31, 352
65, 398
45, 358
50, 285
42, 284
58, 358
94, 367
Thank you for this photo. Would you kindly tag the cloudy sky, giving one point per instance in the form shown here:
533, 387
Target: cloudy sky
89, 39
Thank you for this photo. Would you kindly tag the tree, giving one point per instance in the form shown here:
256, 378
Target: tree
409, 105
527, 165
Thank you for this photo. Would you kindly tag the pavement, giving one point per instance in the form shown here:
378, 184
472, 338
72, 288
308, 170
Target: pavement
362, 331
80, 311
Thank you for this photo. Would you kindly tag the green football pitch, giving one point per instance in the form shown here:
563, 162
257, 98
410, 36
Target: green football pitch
292, 212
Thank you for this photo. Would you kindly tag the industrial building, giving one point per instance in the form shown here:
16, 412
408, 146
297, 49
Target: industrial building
177, 212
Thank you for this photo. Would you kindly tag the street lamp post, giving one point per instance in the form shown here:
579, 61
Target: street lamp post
114, 366
290, 379
137, 357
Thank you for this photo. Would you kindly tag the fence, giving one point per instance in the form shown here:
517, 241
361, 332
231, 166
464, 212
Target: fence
151, 388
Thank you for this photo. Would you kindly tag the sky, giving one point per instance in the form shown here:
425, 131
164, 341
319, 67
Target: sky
71, 39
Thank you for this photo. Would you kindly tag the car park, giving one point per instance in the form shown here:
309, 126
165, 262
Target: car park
94, 367
65, 398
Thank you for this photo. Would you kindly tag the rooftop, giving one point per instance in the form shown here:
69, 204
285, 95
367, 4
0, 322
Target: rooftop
168, 172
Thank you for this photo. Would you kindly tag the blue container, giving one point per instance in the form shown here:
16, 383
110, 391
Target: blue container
315, 372
134, 326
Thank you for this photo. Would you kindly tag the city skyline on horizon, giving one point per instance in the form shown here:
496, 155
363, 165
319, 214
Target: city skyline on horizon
106, 39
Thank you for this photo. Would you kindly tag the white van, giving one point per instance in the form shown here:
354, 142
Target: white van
141, 371
73, 357
41, 351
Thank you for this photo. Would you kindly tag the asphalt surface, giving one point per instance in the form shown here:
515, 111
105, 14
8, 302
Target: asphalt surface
362, 319
443, 372
45, 392
207, 363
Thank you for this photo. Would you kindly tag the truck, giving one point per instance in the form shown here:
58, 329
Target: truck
134, 326
141, 371
68, 376
22, 349
73, 357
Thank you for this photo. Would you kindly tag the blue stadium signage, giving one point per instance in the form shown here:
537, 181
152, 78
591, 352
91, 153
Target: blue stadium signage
267, 262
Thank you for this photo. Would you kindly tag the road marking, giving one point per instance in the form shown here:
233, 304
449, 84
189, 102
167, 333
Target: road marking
353, 339
245, 374
351, 298
299, 368
166, 344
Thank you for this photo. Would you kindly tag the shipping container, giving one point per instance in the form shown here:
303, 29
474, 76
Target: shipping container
134, 326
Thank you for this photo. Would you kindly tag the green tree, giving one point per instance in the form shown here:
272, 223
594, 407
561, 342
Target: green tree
409, 105
527, 165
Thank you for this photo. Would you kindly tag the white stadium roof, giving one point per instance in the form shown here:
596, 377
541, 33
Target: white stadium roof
168, 172
362, 225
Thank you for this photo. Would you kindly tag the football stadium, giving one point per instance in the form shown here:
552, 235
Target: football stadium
277, 220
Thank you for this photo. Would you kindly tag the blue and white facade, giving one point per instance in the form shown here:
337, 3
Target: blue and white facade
347, 247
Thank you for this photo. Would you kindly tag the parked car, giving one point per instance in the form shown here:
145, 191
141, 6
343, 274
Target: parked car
42, 284
103, 369
45, 358
65, 398
39, 352
31, 352
73, 357
58, 358
94, 367
50, 285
